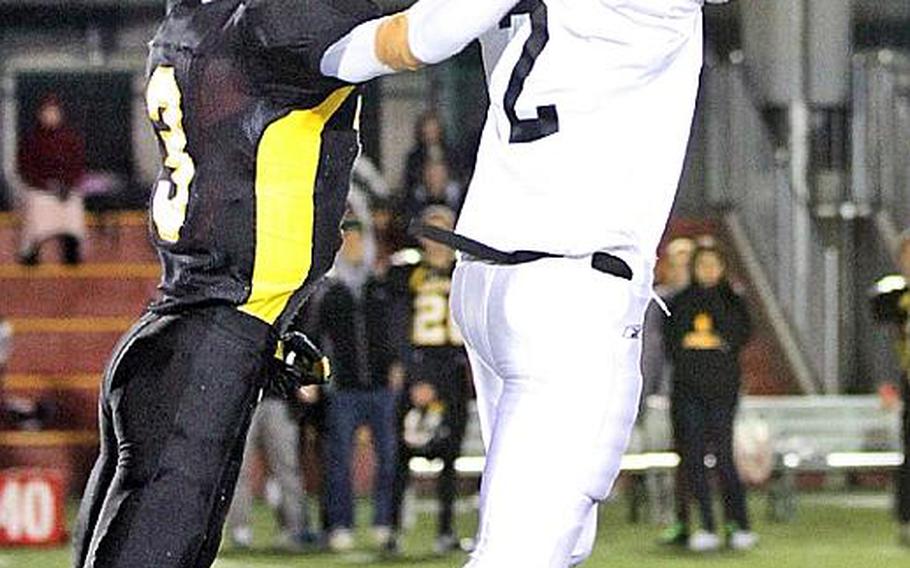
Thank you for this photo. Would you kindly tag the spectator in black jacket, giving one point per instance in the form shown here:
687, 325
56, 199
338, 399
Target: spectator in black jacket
350, 324
707, 330
891, 305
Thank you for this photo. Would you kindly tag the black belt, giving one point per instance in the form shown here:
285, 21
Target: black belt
600, 261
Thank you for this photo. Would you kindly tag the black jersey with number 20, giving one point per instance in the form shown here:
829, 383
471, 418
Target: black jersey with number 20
257, 149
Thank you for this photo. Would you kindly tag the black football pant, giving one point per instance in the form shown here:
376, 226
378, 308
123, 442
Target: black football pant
704, 424
176, 404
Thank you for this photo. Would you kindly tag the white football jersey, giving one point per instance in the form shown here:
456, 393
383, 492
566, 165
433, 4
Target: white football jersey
590, 113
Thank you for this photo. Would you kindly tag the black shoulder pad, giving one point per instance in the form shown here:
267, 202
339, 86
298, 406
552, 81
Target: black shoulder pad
307, 27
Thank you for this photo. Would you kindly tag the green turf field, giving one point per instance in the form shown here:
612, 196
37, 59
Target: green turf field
831, 532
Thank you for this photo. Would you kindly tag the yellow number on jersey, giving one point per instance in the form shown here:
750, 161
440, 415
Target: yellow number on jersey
163, 99
432, 324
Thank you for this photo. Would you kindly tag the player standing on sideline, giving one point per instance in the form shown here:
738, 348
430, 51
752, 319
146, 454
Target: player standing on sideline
433, 408
591, 108
257, 148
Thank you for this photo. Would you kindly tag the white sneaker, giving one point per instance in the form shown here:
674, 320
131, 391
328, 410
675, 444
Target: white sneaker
743, 540
703, 541
241, 537
341, 540
381, 535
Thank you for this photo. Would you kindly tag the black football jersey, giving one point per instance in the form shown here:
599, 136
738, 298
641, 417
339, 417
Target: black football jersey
423, 293
257, 149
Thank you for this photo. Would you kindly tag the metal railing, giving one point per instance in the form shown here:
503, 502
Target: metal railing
880, 186
881, 138
751, 175
804, 262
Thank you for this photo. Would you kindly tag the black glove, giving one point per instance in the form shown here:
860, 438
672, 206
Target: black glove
297, 363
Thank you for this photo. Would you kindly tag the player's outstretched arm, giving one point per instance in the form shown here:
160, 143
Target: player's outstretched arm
428, 32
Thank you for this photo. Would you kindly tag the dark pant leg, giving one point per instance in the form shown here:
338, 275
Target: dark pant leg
70, 246
341, 424
382, 426
225, 495
693, 454
445, 492
180, 398
681, 492
721, 413
903, 472
96, 490
447, 483
403, 460
102, 476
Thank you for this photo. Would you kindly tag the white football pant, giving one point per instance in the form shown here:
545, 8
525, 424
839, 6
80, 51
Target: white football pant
555, 348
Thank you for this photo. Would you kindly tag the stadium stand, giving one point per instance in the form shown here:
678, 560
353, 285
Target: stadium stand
65, 323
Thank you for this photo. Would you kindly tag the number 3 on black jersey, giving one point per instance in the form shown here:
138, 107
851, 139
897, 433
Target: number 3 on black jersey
163, 99
547, 120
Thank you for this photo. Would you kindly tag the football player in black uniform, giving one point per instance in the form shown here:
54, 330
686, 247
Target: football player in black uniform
257, 148
433, 410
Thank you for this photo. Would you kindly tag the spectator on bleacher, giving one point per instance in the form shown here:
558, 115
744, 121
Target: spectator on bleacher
430, 145
349, 321
51, 162
18, 412
891, 304
433, 404
708, 328
275, 431
6, 344
437, 188
6, 341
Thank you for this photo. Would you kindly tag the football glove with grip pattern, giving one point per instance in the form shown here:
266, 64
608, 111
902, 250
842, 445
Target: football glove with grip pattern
297, 363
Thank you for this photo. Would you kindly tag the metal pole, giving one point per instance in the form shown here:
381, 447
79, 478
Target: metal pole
799, 174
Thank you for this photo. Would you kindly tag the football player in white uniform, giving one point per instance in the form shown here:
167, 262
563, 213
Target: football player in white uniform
591, 108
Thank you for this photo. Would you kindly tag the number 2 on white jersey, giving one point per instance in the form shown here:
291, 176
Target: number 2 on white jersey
163, 98
547, 120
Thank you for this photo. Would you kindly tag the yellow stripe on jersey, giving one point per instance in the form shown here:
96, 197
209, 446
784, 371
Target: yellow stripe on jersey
287, 161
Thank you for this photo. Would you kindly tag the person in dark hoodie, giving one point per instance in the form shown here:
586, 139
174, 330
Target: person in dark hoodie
350, 325
708, 328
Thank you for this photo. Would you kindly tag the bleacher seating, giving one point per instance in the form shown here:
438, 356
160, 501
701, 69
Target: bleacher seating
799, 435
66, 321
